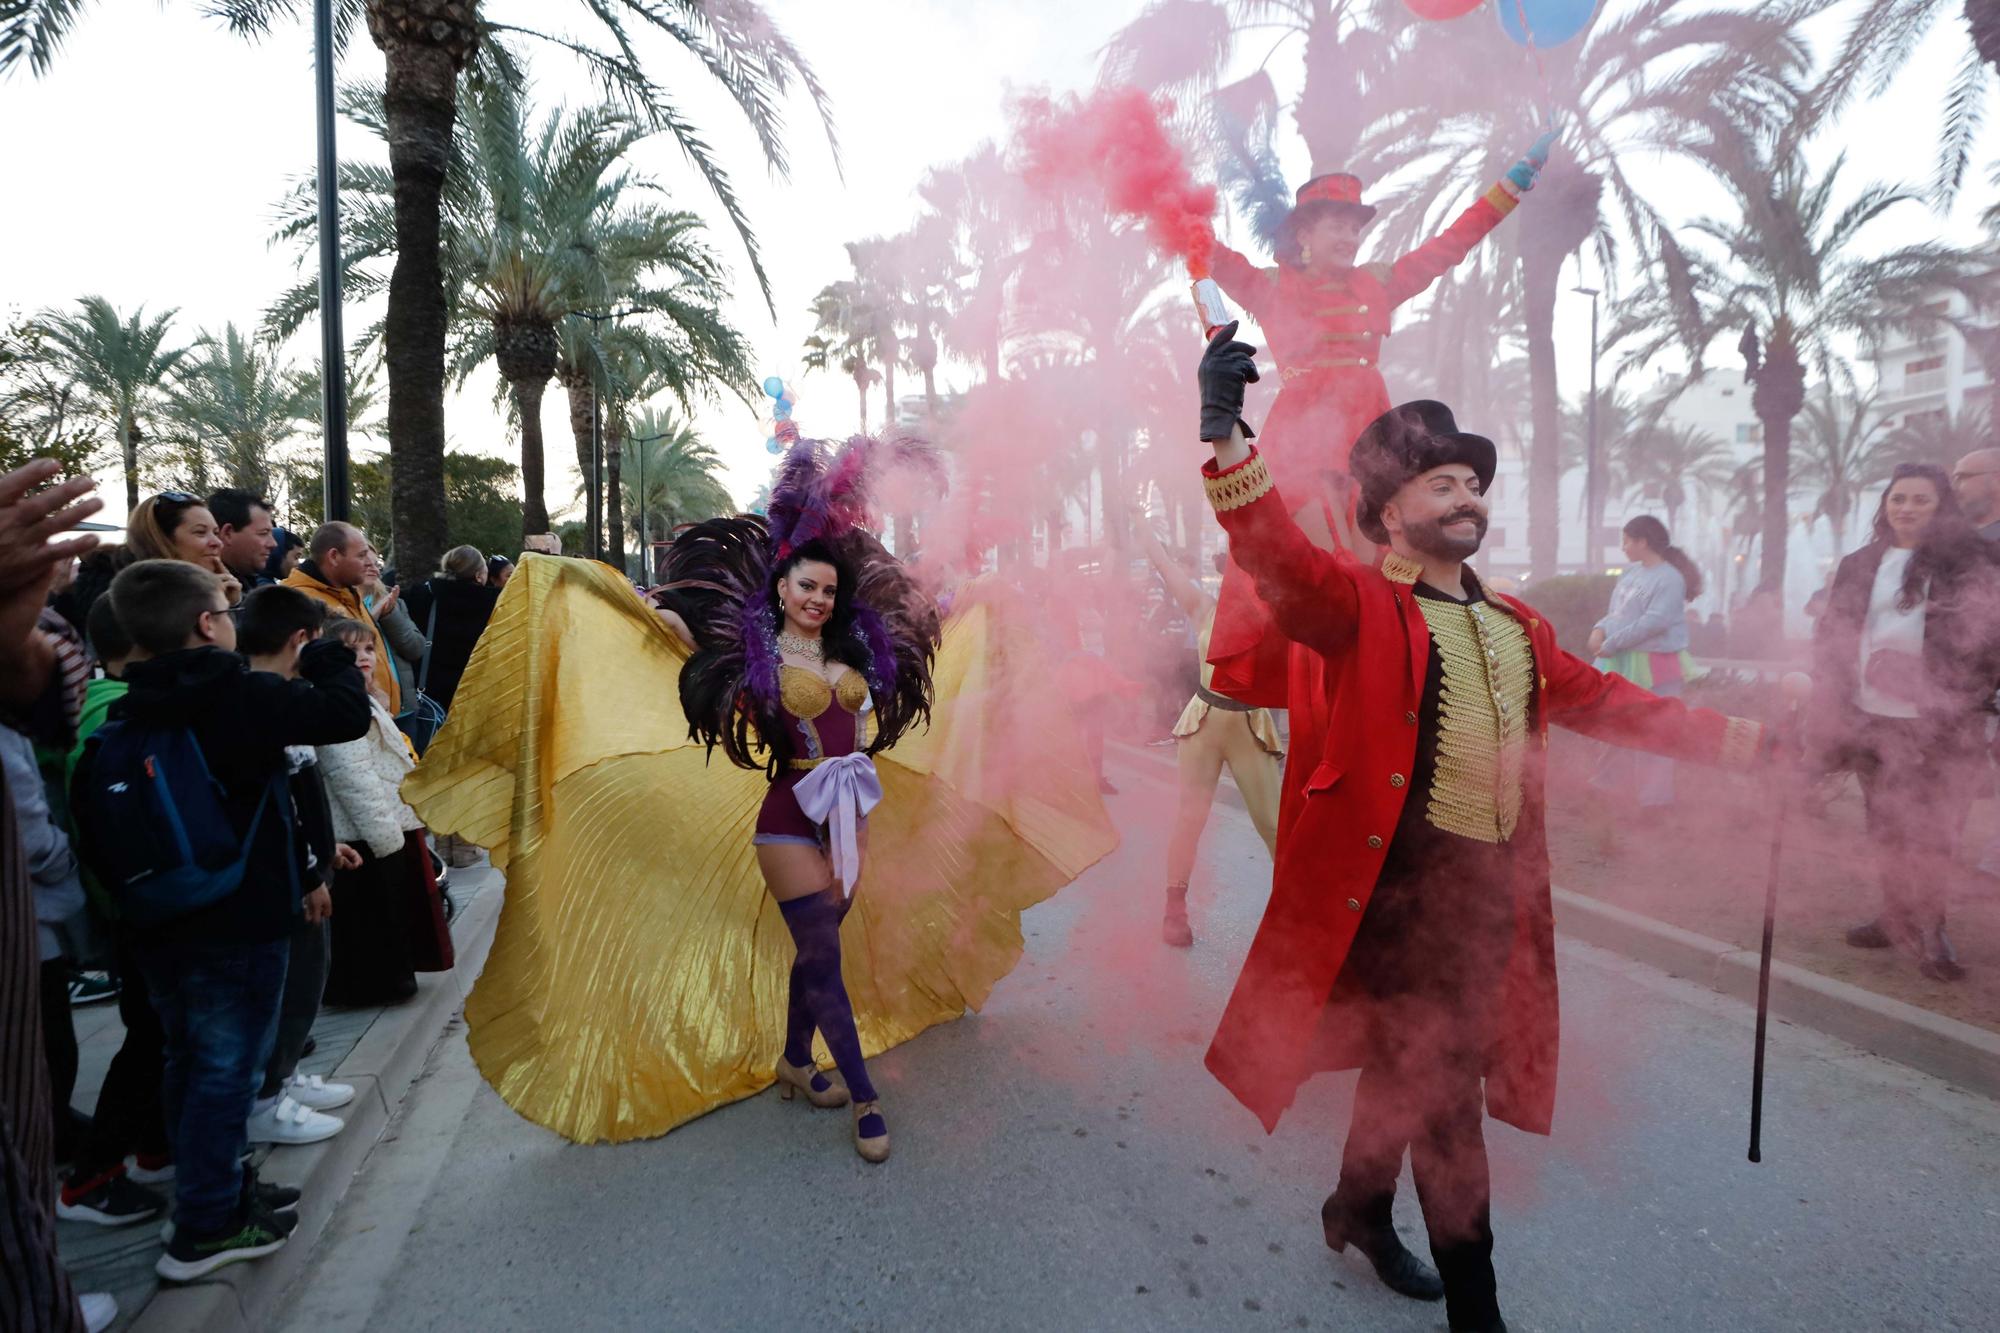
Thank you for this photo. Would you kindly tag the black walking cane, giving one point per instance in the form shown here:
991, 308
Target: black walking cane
1795, 686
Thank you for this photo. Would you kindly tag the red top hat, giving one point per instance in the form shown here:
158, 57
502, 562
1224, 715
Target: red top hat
1338, 190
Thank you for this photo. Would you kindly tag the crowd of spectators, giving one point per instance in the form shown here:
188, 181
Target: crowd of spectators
223, 679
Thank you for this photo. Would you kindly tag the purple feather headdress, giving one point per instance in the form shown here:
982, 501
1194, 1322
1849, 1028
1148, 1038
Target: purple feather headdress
720, 572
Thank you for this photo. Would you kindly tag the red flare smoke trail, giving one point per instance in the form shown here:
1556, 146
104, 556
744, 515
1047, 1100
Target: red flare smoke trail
1114, 141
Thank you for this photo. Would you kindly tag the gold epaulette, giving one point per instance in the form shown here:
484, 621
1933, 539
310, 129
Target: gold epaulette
1244, 484
1740, 742
1400, 568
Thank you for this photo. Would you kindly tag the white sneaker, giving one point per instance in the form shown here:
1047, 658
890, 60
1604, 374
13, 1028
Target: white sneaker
314, 1091
99, 1309
286, 1122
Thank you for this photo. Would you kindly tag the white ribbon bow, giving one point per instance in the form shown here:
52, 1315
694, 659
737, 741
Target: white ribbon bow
838, 792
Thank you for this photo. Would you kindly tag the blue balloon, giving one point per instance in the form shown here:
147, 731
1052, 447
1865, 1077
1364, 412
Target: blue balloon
771, 446
1553, 22
773, 386
783, 411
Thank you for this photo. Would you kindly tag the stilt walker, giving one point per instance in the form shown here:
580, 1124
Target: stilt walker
1326, 318
1410, 931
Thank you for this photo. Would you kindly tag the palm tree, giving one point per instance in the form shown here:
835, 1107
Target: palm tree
1845, 453
120, 363
42, 411
674, 477
1941, 437
537, 224
1881, 37
1631, 88
982, 203
426, 46
846, 326
1785, 271
1672, 461
235, 401
1183, 46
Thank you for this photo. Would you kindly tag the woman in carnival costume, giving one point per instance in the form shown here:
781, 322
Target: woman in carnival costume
676, 930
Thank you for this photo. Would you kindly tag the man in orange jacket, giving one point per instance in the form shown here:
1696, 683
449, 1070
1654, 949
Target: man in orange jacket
332, 573
1409, 931
1326, 318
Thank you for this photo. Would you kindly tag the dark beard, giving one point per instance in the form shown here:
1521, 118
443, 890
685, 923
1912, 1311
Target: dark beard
1431, 539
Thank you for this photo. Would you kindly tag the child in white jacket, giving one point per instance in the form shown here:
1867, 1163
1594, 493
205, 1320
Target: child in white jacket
375, 906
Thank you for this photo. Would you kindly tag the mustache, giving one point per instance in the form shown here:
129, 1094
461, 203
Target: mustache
1457, 515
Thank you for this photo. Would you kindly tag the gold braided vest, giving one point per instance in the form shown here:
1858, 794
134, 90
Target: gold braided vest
1488, 672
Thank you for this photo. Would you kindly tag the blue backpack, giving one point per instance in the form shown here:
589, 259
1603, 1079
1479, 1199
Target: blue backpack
157, 822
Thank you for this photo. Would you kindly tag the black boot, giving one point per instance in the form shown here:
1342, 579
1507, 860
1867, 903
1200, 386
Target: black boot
1370, 1230
1471, 1303
1174, 927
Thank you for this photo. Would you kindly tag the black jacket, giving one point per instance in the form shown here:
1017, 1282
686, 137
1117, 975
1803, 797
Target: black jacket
1961, 659
243, 720
463, 608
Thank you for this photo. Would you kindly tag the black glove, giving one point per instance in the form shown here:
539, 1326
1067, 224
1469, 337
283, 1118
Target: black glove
1226, 367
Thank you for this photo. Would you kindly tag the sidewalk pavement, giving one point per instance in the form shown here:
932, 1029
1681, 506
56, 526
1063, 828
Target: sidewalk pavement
1959, 1053
380, 1051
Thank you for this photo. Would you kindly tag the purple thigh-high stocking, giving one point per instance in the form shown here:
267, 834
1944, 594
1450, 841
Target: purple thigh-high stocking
819, 996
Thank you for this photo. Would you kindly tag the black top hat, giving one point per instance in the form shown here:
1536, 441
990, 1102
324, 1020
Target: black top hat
1405, 442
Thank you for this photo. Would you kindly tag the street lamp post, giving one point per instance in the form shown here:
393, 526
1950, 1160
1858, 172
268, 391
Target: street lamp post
645, 547
332, 355
1592, 553
593, 508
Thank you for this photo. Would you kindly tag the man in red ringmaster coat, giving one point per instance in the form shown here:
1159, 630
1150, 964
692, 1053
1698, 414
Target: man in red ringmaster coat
1409, 931
1326, 319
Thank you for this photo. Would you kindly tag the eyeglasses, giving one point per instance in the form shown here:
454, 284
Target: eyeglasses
1957, 477
175, 497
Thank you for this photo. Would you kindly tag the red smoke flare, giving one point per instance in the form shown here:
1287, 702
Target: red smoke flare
1114, 141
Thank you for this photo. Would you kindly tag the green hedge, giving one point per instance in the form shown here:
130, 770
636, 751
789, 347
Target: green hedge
1572, 604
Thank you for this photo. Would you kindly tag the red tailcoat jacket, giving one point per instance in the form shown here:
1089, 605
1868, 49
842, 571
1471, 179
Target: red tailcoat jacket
1360, 652
1326, 331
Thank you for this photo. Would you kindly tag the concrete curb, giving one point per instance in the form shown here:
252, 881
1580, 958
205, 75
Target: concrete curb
1959, 1053
388, 1059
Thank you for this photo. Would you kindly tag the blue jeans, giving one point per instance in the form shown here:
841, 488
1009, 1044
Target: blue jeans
218, 1007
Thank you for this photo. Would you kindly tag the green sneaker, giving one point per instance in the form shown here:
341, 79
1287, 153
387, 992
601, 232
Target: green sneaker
189, 1256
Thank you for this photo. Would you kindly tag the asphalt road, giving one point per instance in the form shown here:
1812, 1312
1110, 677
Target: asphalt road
1062, 1161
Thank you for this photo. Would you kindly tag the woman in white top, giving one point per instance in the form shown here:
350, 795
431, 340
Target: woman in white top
1908, 658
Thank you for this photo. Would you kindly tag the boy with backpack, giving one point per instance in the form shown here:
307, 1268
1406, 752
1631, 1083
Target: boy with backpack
100, 1188
183, 804
273, 627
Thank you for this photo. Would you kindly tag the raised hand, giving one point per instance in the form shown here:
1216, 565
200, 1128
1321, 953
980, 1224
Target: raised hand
1226, 367
29, 553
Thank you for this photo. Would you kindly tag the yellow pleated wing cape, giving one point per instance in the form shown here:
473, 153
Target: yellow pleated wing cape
638, 977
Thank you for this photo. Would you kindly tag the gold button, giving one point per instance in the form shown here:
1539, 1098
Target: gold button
1410, 718
1364, 360
1395, 779
1353, 904
1363, 309
1374, 840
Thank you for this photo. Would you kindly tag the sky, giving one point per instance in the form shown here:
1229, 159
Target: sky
145, 168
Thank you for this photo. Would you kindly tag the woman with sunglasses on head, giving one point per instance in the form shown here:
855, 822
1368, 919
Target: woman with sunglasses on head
175, 525
1908, 656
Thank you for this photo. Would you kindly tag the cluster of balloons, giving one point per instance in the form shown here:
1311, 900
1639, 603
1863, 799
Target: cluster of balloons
783, 430
1538, 23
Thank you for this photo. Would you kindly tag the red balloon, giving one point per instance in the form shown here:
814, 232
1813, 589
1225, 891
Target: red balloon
1442, 9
